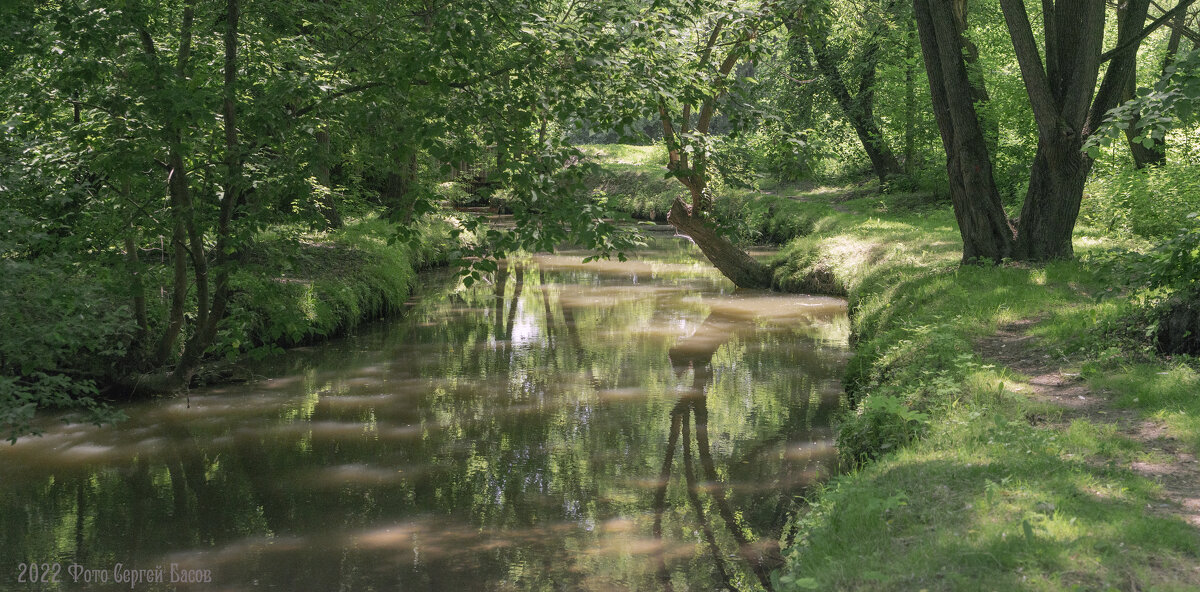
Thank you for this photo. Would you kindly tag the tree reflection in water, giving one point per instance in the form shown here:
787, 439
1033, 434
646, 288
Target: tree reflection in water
695, 353
568, 426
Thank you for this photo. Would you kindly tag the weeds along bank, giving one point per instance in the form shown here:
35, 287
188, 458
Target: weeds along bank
966, 482
69, 337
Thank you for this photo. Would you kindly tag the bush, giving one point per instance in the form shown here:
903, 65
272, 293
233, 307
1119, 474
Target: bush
881, 425
1149, 203
60, 333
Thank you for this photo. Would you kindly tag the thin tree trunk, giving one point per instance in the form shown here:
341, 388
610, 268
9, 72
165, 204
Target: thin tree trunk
910, 103
135, 284
1155, 155
858, 110
211, 305
325, 201
177, 193
398, 187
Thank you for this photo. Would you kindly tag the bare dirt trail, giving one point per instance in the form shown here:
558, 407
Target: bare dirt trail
1178, 472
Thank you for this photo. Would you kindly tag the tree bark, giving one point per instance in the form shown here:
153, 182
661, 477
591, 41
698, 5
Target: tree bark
982, 222
1066, 111
398, 187
742, 269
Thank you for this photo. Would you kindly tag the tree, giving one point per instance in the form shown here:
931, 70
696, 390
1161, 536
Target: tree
813, 24
689, 145
1067, 108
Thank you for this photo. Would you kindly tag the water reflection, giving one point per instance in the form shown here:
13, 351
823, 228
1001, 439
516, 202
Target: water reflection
567, 426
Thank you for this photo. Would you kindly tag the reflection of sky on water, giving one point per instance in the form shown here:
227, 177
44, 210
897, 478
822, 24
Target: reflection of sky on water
608, 425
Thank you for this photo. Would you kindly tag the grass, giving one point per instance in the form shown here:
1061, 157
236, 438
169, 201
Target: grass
986, 500
632, 181
298, 286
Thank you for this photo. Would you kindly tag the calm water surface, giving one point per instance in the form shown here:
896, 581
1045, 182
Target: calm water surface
604, 426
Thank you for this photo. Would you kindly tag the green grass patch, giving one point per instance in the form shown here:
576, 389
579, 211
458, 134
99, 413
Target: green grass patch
1167, 393
298, 286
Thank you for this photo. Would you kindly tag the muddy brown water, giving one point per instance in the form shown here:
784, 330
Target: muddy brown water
566, 426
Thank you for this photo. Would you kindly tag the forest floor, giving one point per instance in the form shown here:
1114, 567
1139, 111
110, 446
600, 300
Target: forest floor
1169, 462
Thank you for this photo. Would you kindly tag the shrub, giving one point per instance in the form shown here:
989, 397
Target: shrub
1150, 203
60, 333
882, 424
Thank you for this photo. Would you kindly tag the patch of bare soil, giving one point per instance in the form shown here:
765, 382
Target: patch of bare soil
1178, 472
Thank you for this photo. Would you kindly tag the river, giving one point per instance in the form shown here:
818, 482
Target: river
565, 426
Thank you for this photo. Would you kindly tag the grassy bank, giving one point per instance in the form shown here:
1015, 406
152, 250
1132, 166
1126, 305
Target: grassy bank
68, 336
972, 477
632, 181
298, 286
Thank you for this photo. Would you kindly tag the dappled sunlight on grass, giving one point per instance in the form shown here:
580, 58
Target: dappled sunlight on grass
1169, 394
999, 494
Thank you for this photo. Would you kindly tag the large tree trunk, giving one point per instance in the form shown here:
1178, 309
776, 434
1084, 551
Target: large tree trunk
742, 269
982, 222
1061, 95
1052, 202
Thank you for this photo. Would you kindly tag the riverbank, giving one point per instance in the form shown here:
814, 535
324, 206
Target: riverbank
1053, 449
301, 287
70, 331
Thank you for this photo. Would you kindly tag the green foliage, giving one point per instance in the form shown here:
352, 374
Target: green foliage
1151, 203
1173, 101
1174, 264
882, 424
60, 333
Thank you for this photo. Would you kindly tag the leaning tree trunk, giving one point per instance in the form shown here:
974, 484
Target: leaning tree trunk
742, 269
859, 110
695, 221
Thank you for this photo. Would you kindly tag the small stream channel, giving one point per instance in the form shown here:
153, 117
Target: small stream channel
569, 426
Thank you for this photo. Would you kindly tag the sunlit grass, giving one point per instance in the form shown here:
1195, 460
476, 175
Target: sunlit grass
626, 154
987, 499
1170, 394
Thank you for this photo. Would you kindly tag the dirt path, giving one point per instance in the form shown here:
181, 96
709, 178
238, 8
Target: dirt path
1178, 473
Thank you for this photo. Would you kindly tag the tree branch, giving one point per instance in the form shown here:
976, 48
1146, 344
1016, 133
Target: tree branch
1134, 41
1037, 82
